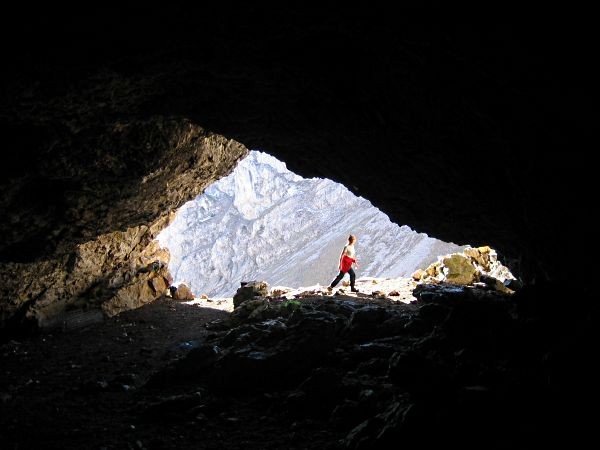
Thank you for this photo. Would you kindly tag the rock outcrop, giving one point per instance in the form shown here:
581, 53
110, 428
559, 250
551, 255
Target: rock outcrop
471, 266
89, 245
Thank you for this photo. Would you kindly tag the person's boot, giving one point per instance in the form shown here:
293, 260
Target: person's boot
353, 289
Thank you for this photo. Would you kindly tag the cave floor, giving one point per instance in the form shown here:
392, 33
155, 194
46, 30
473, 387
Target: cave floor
458, 366
79, 389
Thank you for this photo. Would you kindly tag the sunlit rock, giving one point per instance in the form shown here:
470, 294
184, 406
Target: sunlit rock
458, 269
418, 274
128, 177
183, 293
466, 268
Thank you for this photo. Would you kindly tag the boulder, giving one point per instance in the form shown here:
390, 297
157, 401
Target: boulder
183, 293
249, 290
467, 268
458, 269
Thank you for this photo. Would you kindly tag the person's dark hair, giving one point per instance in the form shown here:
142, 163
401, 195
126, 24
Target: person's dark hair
351, 238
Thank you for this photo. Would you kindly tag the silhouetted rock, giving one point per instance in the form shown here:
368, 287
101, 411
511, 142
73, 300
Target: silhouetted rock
249, 290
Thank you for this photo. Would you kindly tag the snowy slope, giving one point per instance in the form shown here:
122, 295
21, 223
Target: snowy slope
265, 222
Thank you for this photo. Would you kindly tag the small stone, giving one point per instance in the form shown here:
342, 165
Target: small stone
418, 274
183, 293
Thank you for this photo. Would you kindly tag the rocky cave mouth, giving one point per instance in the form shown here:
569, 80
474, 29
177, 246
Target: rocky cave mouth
264, 222
471, 132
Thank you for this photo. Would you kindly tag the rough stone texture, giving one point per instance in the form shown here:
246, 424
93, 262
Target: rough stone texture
183, 293
459, 132
250, 290
472, 134
471, 266
480, 255
464, 362
458, 269
66, 249
418, 274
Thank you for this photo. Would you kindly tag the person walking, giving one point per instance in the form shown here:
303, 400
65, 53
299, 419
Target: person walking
347, 260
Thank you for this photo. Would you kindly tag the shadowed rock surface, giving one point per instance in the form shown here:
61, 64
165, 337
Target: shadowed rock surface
461, 366
112, 119
470, 135
84, 243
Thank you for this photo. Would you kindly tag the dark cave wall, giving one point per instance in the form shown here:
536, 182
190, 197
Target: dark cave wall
471, 134
80, 219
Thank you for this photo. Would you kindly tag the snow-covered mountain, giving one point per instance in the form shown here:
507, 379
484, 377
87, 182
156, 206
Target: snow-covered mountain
264, 222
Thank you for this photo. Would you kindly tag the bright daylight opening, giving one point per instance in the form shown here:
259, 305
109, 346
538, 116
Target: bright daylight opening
264, 222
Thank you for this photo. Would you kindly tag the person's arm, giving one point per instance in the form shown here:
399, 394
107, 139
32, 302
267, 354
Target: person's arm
341, 256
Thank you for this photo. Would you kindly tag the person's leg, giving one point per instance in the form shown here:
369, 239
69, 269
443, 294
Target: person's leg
337, 279
352, 278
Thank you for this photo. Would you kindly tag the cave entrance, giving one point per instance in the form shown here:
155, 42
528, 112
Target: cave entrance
264, 222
